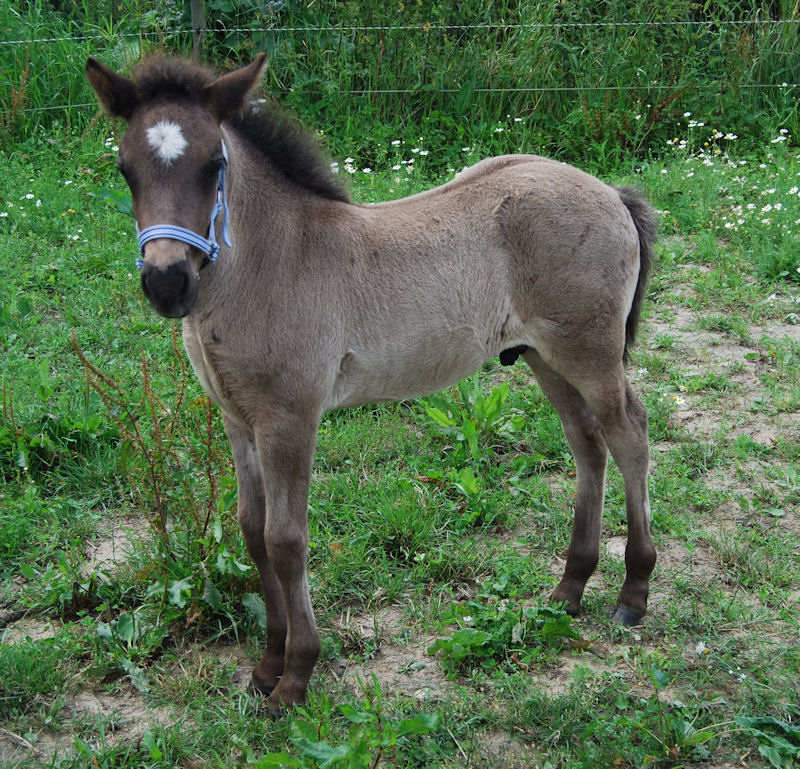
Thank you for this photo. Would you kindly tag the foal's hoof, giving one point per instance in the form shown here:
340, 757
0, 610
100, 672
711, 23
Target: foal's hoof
259, 689
625, 616
571, 606
272, 707
573, 610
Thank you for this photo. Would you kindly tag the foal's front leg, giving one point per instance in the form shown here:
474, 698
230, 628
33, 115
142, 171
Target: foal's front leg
252, 519
285, 445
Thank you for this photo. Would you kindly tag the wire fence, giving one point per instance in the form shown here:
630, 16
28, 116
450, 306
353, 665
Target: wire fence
711, 24
298, 51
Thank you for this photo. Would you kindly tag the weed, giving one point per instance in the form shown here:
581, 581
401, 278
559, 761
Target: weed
778, 740
372, 739
482, 427
499, 631
474, 420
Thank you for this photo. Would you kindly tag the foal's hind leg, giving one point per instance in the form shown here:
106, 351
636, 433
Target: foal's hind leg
252, 518
624, 421
584, 435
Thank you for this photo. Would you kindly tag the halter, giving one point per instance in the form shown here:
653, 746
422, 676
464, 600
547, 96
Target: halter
209, 245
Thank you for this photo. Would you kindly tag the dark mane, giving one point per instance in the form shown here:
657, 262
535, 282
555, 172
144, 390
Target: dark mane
157, 77
294, 151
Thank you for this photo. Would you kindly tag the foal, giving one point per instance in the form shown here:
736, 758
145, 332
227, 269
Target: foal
316, 303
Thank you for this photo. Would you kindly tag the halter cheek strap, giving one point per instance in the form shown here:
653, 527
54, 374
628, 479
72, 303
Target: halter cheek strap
209, 246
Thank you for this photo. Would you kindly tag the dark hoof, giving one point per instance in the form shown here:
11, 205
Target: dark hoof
259, 690
570, 607
625, 616
274, 710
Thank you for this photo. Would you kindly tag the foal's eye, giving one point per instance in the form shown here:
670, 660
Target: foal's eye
213, 166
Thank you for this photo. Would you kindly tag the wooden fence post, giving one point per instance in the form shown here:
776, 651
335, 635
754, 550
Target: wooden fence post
198, 28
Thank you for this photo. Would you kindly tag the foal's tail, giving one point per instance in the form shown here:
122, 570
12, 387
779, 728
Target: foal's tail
645, 221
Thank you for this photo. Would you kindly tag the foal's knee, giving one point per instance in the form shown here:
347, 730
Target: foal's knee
287, 550
582, 561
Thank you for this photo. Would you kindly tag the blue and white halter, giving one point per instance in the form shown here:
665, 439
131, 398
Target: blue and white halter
209, 246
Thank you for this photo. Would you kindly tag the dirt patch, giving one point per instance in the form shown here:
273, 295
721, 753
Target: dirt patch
107, 552
557, 679
502, 749
124, 716
204, 662
401, 665
791, 331
29, 629
125, 713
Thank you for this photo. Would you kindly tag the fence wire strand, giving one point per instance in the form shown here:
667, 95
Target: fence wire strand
524, 89
418, 28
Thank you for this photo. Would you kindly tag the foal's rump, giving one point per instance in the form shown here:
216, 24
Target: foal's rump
573, 262
574, 256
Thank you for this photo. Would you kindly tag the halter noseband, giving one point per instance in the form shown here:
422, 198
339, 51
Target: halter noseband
209, 245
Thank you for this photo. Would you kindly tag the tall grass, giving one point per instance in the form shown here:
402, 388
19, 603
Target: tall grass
620, 86
41, 57
593, 82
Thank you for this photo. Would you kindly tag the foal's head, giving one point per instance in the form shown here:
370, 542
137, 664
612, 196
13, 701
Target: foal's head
171, 156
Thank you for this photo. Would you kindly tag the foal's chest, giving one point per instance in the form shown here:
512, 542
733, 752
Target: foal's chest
202, 347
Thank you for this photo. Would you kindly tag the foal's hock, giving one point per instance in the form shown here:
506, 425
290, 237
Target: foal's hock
296, 301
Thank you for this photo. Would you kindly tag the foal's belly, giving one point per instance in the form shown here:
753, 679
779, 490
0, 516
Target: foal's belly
398, 372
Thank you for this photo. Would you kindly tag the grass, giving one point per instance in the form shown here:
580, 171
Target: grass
424, 535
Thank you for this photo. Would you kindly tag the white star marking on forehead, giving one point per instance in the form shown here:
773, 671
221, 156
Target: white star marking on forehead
166, 138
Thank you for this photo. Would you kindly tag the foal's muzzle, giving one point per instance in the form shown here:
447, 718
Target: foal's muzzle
171, 290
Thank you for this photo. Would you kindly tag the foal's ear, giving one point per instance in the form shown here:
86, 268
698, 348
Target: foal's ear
117, 94
227, 94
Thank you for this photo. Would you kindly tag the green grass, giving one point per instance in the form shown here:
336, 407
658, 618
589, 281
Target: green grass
420, 528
